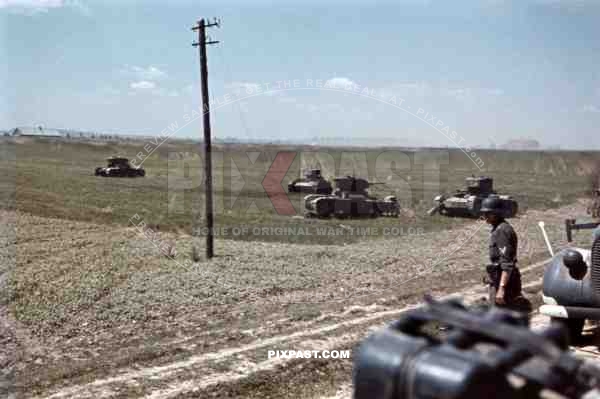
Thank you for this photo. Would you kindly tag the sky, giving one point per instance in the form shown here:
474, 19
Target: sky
405, 72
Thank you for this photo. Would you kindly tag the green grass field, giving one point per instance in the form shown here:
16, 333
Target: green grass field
56, 179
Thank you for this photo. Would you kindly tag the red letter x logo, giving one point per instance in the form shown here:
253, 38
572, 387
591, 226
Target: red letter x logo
272, 183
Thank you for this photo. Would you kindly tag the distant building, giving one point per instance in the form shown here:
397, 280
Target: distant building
35, 132
521, 144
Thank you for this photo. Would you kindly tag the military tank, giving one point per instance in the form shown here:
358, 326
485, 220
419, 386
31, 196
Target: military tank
119, 167
350, 198
467, 202
312, 183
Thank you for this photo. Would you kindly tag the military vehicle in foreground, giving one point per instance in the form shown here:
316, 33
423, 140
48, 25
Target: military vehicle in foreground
311, 183
486, 353
119, 167
350, 198
467, 202
571, 284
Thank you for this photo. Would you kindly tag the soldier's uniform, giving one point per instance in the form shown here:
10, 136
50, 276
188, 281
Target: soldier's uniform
594, 208
503, 257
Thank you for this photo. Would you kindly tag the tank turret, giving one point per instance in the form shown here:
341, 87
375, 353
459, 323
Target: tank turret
312, 183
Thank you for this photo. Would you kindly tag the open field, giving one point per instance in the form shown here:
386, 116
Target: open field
55, 179
92, 308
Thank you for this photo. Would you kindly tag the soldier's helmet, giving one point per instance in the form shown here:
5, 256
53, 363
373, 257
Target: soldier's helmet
493, 205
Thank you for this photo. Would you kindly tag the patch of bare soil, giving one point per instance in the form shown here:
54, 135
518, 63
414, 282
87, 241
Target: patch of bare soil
116, 318
8, 355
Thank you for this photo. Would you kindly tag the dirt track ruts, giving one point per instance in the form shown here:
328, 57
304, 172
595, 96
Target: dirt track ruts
101, 387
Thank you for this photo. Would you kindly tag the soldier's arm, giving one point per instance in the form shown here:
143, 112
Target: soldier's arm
508, 251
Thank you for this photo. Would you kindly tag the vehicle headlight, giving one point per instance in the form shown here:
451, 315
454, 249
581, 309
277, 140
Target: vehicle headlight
573, 261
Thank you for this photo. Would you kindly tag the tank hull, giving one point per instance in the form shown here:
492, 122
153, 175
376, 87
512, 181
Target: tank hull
328, 205
119, 172
470, 207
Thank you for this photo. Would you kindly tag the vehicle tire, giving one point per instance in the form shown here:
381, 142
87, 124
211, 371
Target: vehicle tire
574, 327
326, 210
340, 214
142, 172
98, 172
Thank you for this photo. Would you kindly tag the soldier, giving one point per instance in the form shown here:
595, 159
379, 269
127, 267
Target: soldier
504, 277
594, 207
594, 210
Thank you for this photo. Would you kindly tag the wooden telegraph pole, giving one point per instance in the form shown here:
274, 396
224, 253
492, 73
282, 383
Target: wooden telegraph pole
201, 28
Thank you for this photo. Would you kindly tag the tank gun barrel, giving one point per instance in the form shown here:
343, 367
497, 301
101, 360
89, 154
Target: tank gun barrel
433, 210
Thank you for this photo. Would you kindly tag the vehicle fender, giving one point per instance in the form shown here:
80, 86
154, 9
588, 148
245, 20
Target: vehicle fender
565, 290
